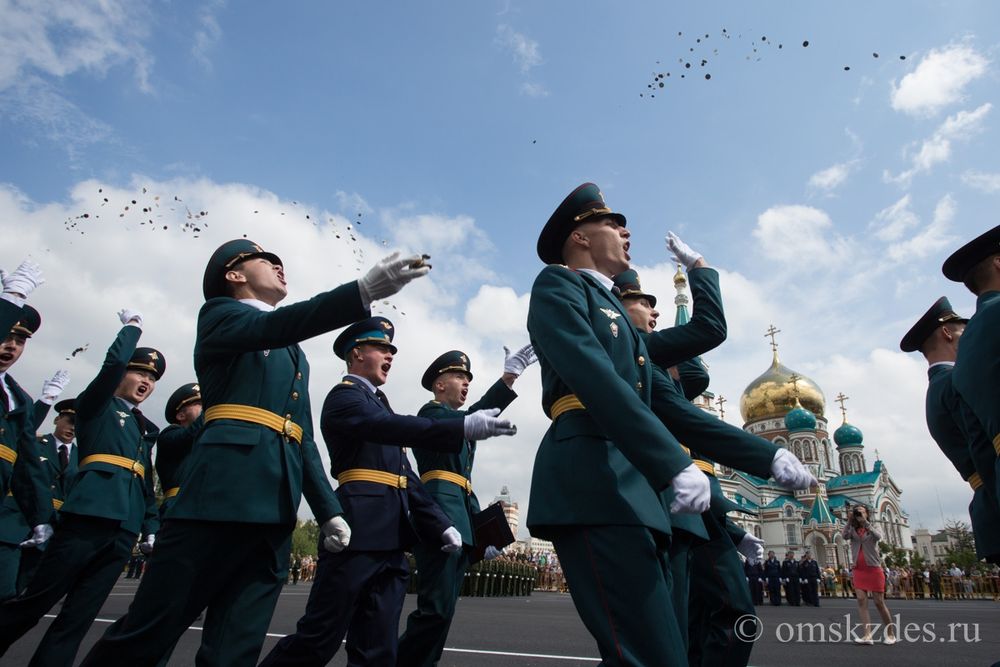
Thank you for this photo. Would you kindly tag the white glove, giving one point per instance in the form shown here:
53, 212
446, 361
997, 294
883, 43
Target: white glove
52, 388
23, 280
129, 316
39, 535
389, 276
683, 254
692, 492
337, 534
452, 540
147, 546
491, 553
789, 472
515, 362
483, 424
752, 548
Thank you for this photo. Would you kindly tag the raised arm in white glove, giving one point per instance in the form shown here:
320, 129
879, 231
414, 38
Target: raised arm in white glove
692, 492
389, 276
789, 472
752, 548
483, 424
337, 534
491, 553
683, 254
51, 389
40, 534
146, 546
21, 282
452, 540
515, 362
129, 316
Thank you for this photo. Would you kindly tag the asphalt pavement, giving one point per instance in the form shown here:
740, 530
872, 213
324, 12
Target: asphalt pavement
544, 630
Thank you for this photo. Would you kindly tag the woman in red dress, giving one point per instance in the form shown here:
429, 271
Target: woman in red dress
869, 577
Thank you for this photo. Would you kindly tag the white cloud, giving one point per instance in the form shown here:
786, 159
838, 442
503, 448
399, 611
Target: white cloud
831, 177
933, 238
980, 180
939, 80
534, 89
208, 33
523, 49
938, 148
797, 236
498, 313
893, 221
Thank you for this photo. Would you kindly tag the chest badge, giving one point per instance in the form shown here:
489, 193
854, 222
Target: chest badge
122, 416
266, 352
614, 330
611, 314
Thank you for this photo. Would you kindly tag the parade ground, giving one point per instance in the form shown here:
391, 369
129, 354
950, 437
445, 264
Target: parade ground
544, 630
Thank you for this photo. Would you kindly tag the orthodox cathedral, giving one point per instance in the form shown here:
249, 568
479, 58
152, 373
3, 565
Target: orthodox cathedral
789, 409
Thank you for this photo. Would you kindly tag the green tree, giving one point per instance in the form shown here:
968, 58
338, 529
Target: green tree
917, 562
962, 545
305, 538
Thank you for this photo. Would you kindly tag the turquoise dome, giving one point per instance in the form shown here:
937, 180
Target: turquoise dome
800, 419
848, 435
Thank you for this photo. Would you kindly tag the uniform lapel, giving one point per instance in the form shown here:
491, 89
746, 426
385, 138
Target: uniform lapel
614, 303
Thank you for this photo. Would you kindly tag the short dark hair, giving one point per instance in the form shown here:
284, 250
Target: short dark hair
979, 274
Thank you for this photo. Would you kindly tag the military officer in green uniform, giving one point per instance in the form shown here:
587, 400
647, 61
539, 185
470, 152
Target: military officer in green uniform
717, 573
606, 455
448, 478
183, 414
26, 499
977, 367
227, 539
61, 457
936, 335
109, 506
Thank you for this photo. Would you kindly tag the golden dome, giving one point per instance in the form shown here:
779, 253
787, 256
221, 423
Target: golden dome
773, 394
679, 277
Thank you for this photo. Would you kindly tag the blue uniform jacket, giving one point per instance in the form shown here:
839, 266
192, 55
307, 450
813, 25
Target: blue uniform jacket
362, 432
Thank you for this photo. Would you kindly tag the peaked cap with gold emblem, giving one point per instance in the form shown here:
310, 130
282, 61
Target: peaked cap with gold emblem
67, 406
374, 330
584, 204
28, 324
960, 262
186, 394
453, 361
629, 287
148, 359
940, 313
225, 257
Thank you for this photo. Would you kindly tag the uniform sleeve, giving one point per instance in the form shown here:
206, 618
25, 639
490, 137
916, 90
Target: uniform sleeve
226, 326
349, 412
151, 515
711, 437
704, 332
499, 395
694, 378
428, 517
564, 339
40, 412
102, 388
736, 534
29, 482
316, 485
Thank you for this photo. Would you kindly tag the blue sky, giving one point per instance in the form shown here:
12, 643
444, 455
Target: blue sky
829, 198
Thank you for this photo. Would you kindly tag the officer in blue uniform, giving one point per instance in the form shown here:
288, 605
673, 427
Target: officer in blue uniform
227, 539
359, 591
772, 572
61, 456
790, 577
809, 578
448, 478
955, 429
109, 506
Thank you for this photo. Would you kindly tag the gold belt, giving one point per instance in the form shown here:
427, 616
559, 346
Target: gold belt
452, 477
248, 413
996, 444
8, 454
376, 476
705, 466
56, 503
121, 461
975, 481
171, 492
565, 404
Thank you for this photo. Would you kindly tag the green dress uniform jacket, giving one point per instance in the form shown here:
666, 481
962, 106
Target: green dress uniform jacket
950, 432
60, 480
605, 464
172, 450
977, 373
244, 472
705, 331
456, 503
106, 425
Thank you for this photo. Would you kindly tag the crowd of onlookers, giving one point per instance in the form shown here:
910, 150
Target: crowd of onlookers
932, 581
